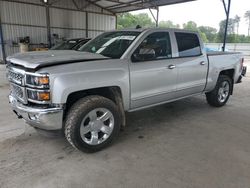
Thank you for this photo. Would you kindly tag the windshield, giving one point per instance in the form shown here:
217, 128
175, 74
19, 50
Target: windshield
111, 44
65, 45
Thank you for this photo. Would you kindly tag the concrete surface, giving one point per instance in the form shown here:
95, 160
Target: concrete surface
182, 144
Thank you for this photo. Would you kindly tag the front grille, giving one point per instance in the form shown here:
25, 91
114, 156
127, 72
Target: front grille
18, 92
16, 77
19, 86
17, 81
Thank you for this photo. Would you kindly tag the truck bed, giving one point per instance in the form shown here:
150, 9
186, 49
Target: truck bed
221, 53
219, 61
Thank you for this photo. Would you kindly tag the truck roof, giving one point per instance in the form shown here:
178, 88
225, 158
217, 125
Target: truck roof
157, 29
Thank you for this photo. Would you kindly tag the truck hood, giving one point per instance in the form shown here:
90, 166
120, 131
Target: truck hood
35, 60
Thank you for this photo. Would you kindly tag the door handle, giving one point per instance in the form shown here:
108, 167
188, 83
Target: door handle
203, 63
171, 66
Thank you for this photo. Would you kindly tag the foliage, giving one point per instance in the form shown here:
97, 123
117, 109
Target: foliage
207, 33
232, 36
237, 23
242, 39
168, 24
128, 20
230, 30
192, 26
210, 32
247, 16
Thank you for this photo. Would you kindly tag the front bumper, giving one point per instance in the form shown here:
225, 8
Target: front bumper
42, 118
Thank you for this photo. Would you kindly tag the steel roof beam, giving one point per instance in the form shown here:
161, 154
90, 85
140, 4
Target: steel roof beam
120, 4
143, 5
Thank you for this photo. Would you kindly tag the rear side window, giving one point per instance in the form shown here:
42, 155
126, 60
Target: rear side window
188, 44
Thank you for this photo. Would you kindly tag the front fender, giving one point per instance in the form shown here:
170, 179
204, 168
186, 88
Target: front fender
65, 84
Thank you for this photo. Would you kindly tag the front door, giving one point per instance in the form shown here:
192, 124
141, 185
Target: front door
152, 72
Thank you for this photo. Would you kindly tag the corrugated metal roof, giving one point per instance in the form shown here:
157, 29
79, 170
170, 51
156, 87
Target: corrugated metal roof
119, 6
104, 6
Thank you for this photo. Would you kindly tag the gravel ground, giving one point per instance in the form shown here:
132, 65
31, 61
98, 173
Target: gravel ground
181, 144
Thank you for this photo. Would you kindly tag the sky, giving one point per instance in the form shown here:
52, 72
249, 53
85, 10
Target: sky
204, 12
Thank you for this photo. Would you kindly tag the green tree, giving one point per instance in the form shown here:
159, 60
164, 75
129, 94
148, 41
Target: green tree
237, 23
128, 20
247, 16
191, 25
125, 20
168, 24
232, 37
230, 30
143, 20
203, 37
210, 32
242, 39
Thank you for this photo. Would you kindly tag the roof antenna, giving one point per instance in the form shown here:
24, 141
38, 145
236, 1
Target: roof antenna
138, 27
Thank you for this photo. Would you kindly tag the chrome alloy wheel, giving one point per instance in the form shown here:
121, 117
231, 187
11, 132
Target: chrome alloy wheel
223, 91
97, 126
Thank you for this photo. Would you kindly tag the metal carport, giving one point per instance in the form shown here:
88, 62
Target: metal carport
120, 6
92, 12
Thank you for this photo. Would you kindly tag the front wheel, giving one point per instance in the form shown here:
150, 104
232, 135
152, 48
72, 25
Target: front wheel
221, 93
92, 123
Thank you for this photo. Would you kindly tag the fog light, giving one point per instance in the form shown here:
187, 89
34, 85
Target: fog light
33, 117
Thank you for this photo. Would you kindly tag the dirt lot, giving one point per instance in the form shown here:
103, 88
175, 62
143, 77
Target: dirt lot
182, 144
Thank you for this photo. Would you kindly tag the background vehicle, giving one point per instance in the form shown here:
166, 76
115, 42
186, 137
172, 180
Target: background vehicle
208, 49
85, 93
71, 44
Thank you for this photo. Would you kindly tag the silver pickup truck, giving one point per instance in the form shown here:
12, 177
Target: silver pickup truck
86, 93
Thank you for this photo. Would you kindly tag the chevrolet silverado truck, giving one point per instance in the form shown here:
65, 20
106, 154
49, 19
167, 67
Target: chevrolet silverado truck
86, 93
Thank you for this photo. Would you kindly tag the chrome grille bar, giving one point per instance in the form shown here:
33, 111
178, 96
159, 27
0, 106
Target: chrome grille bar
18, 92
16, 75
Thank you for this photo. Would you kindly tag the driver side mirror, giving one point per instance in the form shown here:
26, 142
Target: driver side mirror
143, 54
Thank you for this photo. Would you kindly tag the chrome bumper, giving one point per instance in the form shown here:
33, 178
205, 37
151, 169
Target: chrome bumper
42, 118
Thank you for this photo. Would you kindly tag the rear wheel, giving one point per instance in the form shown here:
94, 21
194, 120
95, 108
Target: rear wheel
221, 93
92, 123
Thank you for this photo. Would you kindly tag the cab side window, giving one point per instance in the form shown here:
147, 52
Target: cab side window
188, 44
155, 46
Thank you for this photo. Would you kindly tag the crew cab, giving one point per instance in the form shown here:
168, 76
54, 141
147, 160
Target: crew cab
86, 93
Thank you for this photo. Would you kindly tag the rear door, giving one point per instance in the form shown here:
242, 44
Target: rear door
152, 79
191, 64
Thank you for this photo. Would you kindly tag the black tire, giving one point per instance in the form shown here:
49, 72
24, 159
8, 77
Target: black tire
212, 97
76, 114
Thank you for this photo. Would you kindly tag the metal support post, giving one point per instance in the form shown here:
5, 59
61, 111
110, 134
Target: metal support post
227, 11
